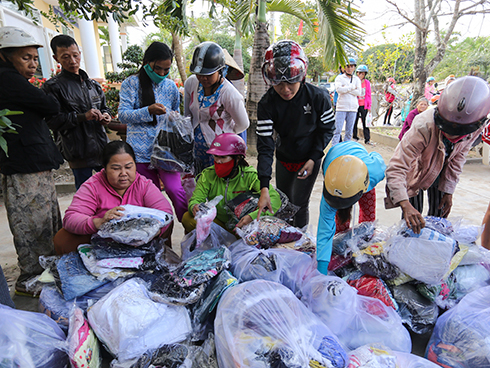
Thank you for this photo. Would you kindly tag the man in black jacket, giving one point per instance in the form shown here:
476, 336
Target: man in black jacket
78, 128
28, 184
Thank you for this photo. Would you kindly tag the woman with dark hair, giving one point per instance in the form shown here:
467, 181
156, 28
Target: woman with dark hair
100, 198
144, 100
213, 103
230, 176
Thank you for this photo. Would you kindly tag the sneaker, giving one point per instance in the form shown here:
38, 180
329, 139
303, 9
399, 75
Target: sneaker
370, 143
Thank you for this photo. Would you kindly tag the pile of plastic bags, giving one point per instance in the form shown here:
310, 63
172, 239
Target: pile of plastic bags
259, 301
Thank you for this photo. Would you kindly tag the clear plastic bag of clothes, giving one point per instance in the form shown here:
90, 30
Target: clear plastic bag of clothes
361, 233
475, 254
75, 279
461, 337
262, 324
129, 323
204, 218
174, 144
371, 259
444, 294
355, 319
469, 278
417, 312
268, 231
52, 303
423, 259
285, 266
31, 340
137, 226
373, 287
217, 237
83, 345
379, 356
203, 311
439, 224
465, 232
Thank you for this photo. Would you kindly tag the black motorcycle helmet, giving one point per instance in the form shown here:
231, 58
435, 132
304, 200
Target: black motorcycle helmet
208, 58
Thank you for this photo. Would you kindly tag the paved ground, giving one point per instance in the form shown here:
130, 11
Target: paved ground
470, 202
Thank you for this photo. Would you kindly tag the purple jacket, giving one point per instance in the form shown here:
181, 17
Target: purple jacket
408, 122
96, 196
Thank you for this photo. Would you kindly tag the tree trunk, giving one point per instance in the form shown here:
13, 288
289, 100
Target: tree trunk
256, 84
237, 56
179, 55
419, 72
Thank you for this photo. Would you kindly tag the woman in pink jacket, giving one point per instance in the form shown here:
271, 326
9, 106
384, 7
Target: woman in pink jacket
432, 153
364, 105
100, 198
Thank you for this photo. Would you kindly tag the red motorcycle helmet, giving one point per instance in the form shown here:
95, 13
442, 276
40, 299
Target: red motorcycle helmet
228, 144
463, 106
285, 61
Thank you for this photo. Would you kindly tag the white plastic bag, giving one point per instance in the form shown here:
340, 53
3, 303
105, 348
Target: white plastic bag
285, 266
31, 340
216, 238
204, 218
129, 323
369, 119
461, 337
425, 260
137, 226
83, 346
262, 324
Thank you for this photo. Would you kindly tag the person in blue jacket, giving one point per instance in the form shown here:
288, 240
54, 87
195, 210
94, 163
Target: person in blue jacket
351, 173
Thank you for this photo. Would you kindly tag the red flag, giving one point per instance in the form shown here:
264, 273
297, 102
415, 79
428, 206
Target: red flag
300, 29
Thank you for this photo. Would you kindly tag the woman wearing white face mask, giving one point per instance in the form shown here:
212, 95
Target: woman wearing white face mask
145, 98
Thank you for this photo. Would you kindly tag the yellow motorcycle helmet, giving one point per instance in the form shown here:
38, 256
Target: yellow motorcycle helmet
346, 180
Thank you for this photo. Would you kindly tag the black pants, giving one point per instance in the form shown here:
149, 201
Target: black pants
297, 190
388, 114
361, 114
434, 196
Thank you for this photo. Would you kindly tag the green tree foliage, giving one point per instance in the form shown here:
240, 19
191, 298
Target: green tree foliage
132, 59
470, 55
390, 60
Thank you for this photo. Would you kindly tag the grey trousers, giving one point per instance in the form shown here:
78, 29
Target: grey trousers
34, 218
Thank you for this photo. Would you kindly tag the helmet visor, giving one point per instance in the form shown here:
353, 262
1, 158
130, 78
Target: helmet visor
341, 203
274, 72
451, 128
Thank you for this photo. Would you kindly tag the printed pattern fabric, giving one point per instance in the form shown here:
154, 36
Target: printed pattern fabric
367, 211
34, 218
202, 159
140, 133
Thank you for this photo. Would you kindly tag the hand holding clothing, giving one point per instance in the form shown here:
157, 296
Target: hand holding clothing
112, 214
413, 218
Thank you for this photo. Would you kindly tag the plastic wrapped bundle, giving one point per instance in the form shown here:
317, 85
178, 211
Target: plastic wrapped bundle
332, 299
137, 226
439, 224
425, 260
268, 231
461, 337
373, 287
76, 280
204, 219
379, 356
371, 260
262, 324
32, 340
361, 233
52, 303
355, 319
174, 144
285, 266
83, 346
419, 313
129, 323
217, 237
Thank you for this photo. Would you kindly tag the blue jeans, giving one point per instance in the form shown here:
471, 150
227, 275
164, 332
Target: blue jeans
349, 117
81, 175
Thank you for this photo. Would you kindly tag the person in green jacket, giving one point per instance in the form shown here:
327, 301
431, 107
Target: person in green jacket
230, 176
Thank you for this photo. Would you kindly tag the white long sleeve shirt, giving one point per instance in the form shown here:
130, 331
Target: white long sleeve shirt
348, 89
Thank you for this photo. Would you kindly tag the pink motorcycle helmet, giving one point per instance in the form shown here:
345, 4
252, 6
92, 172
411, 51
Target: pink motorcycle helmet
463, 106
228, 144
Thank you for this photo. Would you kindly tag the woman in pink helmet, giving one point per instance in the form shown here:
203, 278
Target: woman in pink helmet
432, 153
230, 176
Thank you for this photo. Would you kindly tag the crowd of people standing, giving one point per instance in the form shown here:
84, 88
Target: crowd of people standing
296, 123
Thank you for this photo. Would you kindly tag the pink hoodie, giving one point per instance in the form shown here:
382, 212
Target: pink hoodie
96, 196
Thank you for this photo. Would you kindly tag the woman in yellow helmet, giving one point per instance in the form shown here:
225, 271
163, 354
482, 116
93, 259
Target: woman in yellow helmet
350, 174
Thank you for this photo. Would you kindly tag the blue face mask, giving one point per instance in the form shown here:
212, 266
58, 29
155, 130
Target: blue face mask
154, 76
